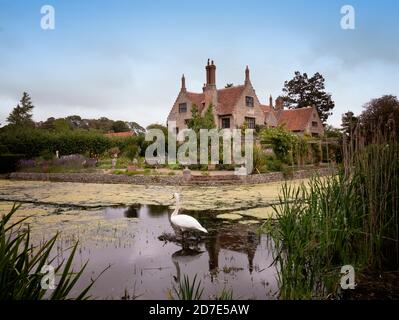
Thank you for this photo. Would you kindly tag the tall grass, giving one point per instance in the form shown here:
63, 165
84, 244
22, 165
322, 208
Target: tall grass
21, 264
189, 290
349, 218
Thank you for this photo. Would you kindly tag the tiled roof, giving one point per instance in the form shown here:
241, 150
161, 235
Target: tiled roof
265, 108
120, 134
196, 98
294, 119
227, 99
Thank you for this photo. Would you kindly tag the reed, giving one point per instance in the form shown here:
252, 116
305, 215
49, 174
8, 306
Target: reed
348, 218
189, 289
21, 264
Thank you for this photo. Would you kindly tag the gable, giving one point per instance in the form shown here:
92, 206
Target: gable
196, 98
295, 119
227, 99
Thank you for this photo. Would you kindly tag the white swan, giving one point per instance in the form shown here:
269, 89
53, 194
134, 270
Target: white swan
183, 221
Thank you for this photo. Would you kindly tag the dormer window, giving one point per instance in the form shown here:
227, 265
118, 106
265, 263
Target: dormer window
182, 107
249, 101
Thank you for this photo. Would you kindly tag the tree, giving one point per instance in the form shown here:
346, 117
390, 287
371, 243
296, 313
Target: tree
302, 91
381, 114
197, 121
76, 122
158, 126
134, 126
349, 123
209, 119
103, 124
332, 132
48, 124
22, 113
120, 126
61, 125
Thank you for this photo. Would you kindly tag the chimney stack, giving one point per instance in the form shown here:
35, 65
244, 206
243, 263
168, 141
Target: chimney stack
210, 74
279, 104
210, 86
271, 101
247, 75
183, 84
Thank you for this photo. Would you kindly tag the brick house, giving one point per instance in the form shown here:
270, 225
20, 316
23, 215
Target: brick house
236, 105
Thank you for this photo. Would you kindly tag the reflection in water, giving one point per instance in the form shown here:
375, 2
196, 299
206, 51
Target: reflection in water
231, 255
157, 210
131, 212
237, 239
184, 256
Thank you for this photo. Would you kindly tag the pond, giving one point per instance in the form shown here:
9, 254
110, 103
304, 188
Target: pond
128, 227
148, 259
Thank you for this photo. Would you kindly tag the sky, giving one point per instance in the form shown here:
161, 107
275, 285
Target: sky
124, 59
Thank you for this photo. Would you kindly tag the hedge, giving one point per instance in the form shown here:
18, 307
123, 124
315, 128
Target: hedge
9, 162
33, 142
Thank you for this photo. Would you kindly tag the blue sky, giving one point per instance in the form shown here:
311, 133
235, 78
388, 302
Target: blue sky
124, 59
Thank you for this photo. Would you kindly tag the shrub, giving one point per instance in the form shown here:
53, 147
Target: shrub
259, 160
175, 166
273, 164
287, 171
22, 164
32, 142
46, 155
114, 151
132, 151
73, 160
9, 162
280, 140
316, 152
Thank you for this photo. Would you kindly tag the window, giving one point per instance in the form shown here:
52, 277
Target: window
249, 101
250, 122
186, 121
225, 123
177, 130
314, 124
182, 107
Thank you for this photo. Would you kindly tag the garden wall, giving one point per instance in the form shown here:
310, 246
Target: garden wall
279, 176
159, 180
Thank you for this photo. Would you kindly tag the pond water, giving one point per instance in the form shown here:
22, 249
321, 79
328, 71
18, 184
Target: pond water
148, 260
